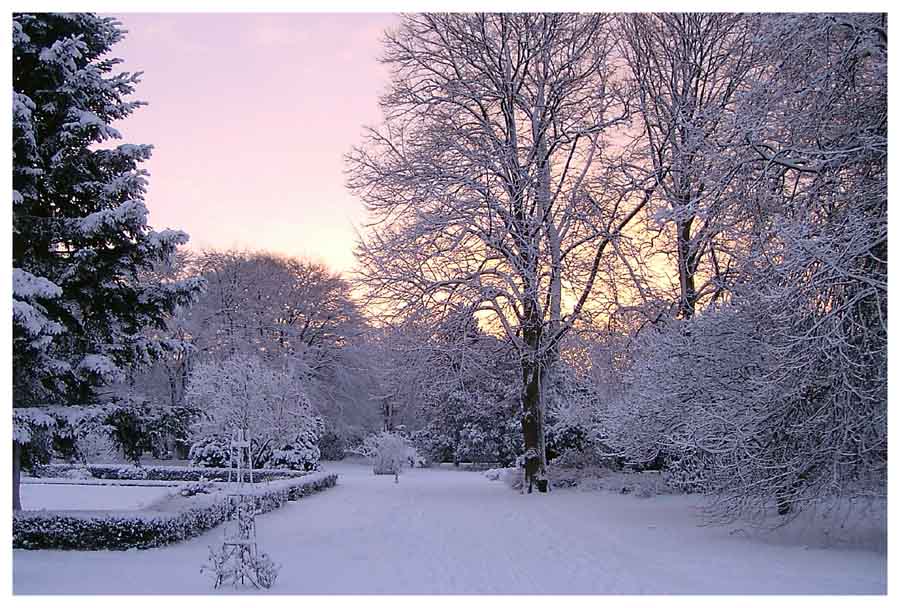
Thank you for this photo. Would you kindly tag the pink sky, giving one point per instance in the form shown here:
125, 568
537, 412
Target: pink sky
250, 116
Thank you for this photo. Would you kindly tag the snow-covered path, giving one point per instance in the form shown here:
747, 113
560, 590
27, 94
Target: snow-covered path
444, 531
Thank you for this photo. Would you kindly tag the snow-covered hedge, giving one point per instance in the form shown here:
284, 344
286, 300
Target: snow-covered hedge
93, 530
161, 473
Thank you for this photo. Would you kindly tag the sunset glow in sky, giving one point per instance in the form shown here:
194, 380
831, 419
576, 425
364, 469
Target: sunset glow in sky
250, 116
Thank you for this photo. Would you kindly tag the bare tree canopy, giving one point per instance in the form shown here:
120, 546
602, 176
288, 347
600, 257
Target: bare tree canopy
497, 181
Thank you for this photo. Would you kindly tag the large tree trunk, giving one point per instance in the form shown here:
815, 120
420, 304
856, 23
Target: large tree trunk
533, 427
387, 411
688, 299
16, 468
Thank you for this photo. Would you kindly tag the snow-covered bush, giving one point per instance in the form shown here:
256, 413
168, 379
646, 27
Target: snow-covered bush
97, 447
689, 472
513, 478
595, 457
211, 451
576, 430
78, 472
468, 427
414, 458
496, 474
711, 404
302, 453
203, 486
223, 568
126, 430
245, 392
332, 445
389, 452
296, 456
434, 444
137, 427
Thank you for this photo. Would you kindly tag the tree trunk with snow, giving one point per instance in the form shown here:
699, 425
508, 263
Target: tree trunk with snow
687, 300
533, 427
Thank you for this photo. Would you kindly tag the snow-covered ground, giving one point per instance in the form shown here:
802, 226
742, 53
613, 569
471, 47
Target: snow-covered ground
441, 531
88, 497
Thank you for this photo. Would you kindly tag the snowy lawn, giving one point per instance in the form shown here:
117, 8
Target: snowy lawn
441, 531
89, 497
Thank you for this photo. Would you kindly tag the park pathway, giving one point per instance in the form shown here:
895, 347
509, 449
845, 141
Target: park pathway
449, 531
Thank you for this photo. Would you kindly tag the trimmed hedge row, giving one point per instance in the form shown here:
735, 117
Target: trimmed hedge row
95, 530
160, 473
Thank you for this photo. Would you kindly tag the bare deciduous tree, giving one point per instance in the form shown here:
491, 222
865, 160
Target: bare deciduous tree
496, 181
779, 395
687, 70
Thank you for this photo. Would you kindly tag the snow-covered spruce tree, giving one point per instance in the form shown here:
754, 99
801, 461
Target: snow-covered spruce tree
80, 234
494, 183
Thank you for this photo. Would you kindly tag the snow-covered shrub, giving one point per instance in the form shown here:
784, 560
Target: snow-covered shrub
434, 446
332, 445
513, 477
495, 474
641, 484
78, 472
302, 453
649, 483
137, 427
296, 456
96, 530
414, 458
210, 451
38, 450
688, 472
245, 392
595, 457
562, 439
565, 478
468, 426
689, 389
223, 567
47, 431
389, 452
716, 385
203, 486
97, 447
126, 430
576, 433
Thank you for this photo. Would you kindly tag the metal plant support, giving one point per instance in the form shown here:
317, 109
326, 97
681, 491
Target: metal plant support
238, 559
